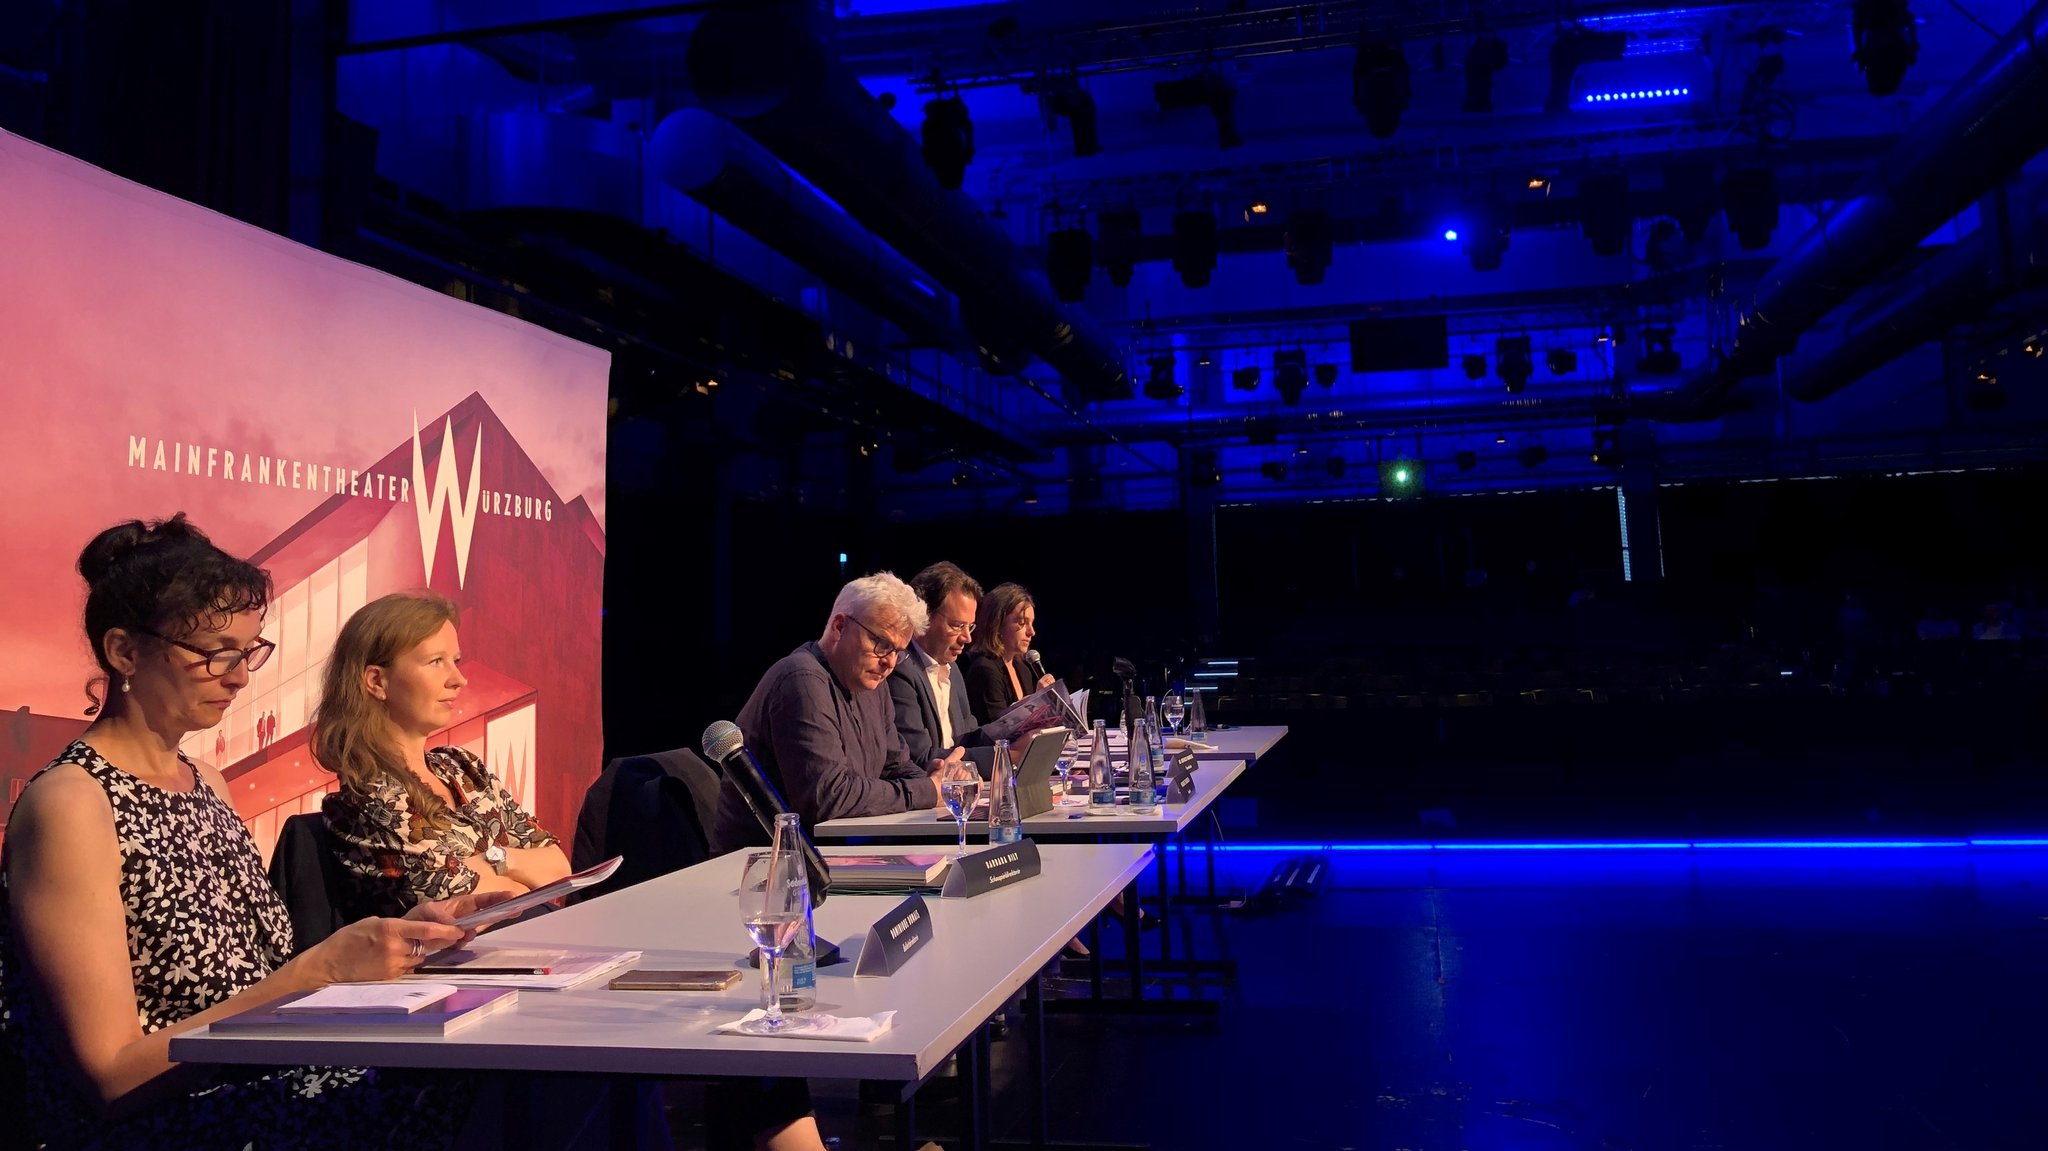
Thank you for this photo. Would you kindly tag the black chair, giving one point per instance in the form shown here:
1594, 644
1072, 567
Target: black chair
306, 870
654, 810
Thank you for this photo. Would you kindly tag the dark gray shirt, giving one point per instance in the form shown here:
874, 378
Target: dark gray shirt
830, 752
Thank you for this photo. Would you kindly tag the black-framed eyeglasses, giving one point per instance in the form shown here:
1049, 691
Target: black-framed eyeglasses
222, 660
883, 649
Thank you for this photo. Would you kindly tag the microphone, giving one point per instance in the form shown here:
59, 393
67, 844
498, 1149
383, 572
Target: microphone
726, 745
1037, 668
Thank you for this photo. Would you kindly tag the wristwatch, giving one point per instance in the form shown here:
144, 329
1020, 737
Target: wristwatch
495, 856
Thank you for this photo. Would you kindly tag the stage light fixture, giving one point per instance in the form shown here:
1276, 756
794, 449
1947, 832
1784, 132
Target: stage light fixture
948, 139
1603, 212
1659, 358
1078, 109
1488, 55
1194, 247
1257, 208
1290, 374
1117, 244
1159, 382
1399, 478
1561, 360
1887, 43
1326, 375
1500, 437
1275, 470
1751, 196
1308, 243
1205, 89
1533, 455
1572, 48
1379, 84
1692, 196
1474, 364
1245, 379
1511, 362
1069, 263
1451, 235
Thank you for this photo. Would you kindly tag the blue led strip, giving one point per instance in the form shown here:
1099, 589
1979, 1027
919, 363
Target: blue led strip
1632, 845
1635, 95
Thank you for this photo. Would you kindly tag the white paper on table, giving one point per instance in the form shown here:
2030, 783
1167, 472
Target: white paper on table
369, 999
838, 1028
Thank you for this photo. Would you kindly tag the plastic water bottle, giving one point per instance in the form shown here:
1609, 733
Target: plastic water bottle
1101, 777
796, 976
1144, 799
1005, 825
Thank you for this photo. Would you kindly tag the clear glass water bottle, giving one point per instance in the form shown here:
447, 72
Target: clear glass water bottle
1005, 825
1197, 721
1152, 719
1101, 777
796, 976
1144, 799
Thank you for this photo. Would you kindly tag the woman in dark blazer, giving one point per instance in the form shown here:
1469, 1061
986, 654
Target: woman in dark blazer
1005, 623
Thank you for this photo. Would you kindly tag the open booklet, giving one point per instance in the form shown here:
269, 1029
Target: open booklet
518, 904
1047, 707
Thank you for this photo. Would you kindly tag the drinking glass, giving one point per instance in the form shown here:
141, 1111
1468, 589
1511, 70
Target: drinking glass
775, 900
1172, 708
960, 787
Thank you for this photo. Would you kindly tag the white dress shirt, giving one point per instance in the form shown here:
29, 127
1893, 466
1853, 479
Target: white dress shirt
940, 676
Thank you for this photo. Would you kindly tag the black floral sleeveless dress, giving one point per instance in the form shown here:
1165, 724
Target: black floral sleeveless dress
203, 924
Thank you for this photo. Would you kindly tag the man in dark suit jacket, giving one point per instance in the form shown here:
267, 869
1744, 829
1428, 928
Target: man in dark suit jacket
932, 727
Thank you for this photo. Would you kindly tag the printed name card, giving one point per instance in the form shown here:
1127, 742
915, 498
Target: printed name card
1180, 777
895, 938
998, 865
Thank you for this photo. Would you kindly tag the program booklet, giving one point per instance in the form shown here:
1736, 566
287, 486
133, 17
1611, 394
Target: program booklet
458, 1008
1047, 707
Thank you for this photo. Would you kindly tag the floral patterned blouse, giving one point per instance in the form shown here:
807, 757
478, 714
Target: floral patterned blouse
397, 859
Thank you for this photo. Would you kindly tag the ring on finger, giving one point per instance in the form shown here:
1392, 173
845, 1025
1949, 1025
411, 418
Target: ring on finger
419, 949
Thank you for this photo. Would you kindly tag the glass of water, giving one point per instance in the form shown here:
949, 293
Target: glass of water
960, 787
1171, 709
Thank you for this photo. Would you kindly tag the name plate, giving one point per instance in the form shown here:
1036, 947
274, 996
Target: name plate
895, 938
989, 868
1180, 777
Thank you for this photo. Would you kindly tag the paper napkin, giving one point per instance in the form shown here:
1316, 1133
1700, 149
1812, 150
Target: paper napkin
854, 1029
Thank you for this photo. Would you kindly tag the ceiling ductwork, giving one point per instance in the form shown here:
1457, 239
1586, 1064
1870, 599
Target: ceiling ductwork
1989, 125
766, 72
716, 164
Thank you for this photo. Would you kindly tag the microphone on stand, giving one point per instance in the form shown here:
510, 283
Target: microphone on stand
726, 745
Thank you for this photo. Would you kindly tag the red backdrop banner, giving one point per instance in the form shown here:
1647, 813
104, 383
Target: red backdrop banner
352, 433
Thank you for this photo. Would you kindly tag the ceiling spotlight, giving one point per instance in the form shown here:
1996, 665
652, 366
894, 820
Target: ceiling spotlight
1887, 43
1159, 382
1194, 247
1561, 360
1275, 470
1659, 359
2034, 346
1475, 365
1488, 54
948, 139
1308, 242
1399, 478
1117, 244
1500, 437
1538, 184
1078, 107
1511, 362
1451, 235
1257, 208
1245, 379
1379, 84
1069, 263
1290, 373
1205, 89
1326, 375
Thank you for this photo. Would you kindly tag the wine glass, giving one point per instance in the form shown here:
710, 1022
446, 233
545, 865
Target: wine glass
1173, 707
775, 902
960, 787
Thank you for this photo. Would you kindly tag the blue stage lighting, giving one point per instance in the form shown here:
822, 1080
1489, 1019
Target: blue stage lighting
1451, 234
1636, 95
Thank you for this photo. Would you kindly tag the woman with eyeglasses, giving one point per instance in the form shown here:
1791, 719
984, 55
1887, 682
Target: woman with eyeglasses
134, 906
1005, 623
416, 823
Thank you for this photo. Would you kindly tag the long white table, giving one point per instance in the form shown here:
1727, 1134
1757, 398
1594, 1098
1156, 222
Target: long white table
1245, 743
982, 952
1061, 824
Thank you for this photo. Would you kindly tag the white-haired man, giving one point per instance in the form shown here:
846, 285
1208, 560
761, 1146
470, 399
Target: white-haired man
824, 731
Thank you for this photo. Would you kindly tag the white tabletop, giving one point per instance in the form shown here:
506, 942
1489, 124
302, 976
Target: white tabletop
982, 952
1060, 823
1245, 743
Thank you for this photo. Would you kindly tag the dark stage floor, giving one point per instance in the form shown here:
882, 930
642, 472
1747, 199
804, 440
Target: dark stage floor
1753, 1001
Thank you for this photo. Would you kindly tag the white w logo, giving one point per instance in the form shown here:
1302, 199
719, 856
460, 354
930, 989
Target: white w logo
445, 493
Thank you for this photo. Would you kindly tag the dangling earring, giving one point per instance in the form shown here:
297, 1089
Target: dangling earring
126, 684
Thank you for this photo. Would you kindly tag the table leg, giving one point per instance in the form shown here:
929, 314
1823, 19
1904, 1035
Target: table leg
1165, 908
1034, 1043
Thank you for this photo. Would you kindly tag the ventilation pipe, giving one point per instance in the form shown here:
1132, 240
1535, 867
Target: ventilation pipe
762, 69
716, 164
1987, 126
